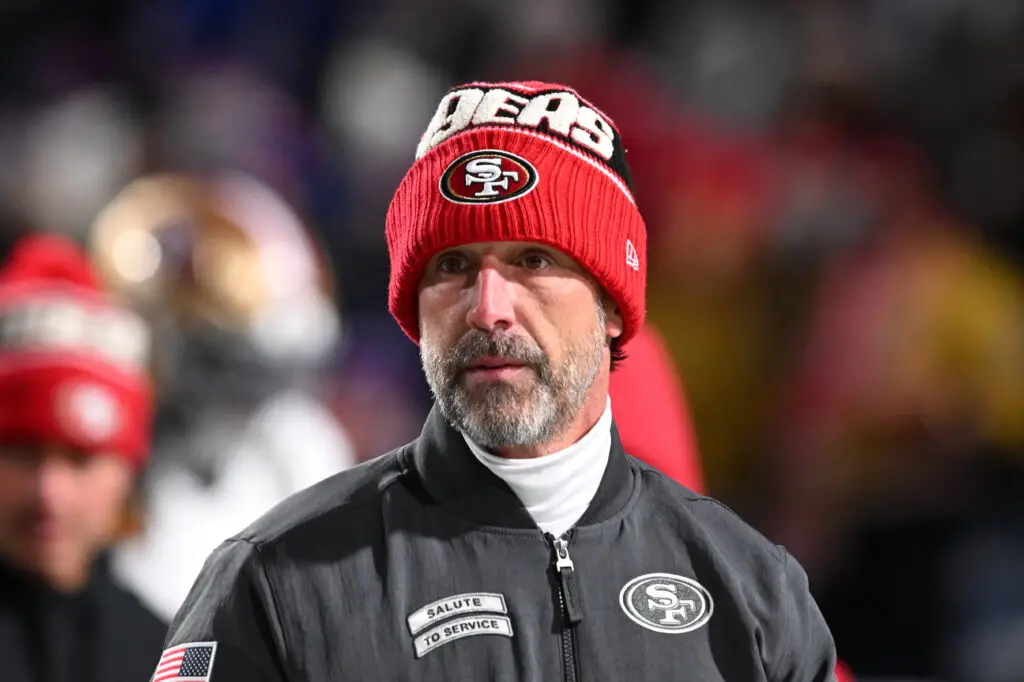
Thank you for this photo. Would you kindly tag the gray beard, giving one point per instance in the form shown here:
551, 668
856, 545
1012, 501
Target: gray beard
503, 414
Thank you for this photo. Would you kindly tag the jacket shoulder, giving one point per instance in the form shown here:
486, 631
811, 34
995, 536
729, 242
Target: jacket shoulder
794, 641
712, 524
340, 496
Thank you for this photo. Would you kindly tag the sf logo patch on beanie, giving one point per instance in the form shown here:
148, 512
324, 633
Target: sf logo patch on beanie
487, 176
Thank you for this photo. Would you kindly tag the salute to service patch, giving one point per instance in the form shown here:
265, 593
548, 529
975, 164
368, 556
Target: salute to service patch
462, 627
485, 607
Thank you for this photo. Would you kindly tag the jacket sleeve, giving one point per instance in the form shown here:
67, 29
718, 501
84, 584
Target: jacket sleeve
231, 606
798, 646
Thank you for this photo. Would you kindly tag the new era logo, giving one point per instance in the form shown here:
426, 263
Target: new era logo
632, 258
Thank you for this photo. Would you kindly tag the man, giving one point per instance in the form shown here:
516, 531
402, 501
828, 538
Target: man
513, 540
74, 419
239, 426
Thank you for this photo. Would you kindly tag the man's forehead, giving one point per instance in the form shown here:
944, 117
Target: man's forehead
503, 247
509, 249
43, 449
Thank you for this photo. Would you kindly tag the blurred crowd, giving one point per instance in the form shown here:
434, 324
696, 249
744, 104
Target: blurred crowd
834, 193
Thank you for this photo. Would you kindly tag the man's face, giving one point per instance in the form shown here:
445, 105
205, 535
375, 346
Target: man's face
58, 508
512, 336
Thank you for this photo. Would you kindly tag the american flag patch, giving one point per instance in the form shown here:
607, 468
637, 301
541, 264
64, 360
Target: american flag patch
192, 661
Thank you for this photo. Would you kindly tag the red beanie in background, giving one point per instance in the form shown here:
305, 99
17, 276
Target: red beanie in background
73, 364
525, 161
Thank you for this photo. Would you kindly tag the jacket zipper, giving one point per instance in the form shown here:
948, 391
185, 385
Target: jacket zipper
568, 605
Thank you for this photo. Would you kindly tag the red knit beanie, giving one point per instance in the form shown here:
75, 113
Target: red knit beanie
72, 363
525, 161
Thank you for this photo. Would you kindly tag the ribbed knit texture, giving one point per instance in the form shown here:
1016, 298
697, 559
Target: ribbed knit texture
67, 392
576, 207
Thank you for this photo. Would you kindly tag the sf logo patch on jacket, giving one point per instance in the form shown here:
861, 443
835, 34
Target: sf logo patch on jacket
666, 603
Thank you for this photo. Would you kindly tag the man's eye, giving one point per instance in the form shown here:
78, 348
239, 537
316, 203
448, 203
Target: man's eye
451, 264
24, 458
535, 261
81, 460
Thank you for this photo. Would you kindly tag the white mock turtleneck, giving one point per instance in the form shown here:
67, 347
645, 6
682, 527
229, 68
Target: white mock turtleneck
556, 489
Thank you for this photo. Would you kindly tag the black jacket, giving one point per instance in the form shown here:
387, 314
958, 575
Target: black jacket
423, 565
103, 634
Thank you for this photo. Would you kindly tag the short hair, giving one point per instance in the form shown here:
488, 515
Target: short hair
618, 353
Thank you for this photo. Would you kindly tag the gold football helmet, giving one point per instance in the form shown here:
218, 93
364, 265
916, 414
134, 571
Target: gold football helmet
219, 259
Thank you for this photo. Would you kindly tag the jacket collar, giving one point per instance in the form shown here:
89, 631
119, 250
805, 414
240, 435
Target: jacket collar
20, 587
453, 476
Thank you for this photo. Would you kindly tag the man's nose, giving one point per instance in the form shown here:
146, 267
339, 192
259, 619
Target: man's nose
54, 481
492, 305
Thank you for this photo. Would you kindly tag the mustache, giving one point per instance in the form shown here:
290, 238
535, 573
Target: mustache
476, 344
32, 516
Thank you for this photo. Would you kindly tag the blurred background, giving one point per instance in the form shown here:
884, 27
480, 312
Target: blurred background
834, 192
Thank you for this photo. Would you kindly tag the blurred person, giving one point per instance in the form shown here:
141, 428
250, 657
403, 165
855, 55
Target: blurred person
843, 673
514, 537
377, 388
238, 293
75, 410
714, 296
979, 574
651, 412
77, 151
910, 375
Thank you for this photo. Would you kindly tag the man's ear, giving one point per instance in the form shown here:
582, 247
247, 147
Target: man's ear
612, 320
